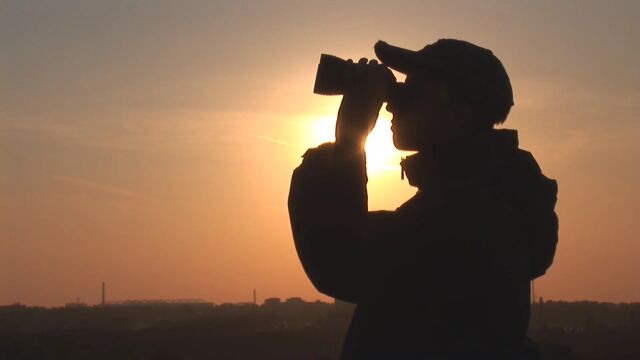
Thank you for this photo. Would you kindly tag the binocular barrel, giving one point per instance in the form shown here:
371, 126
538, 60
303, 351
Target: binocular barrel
330, 77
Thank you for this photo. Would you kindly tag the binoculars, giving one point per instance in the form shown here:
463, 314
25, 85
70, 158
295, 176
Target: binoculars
331, 76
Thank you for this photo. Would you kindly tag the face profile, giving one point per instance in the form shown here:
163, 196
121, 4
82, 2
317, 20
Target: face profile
424, 115
420, 113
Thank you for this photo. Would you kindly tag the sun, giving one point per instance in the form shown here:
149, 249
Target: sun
382, 156
381, 153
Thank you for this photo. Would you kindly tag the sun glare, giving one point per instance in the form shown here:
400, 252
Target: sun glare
323, 130
381, 154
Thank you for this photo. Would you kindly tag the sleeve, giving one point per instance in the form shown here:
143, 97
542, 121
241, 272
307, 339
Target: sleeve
535, 199
330, 221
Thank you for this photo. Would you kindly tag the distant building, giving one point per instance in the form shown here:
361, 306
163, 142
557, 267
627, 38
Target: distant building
192, 303
75, 305
14, 306
272, 301
295, 300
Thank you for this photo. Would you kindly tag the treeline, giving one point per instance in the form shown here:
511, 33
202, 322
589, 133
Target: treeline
277, 330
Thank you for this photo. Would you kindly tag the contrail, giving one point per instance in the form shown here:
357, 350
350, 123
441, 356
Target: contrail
272, 140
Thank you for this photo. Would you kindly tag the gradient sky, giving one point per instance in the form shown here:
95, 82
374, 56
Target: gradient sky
150, 143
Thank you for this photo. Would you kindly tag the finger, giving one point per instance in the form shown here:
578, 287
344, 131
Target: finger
360, 77
349, 75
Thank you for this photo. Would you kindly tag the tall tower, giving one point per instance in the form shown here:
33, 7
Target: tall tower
533, 292
104, 302
254, 297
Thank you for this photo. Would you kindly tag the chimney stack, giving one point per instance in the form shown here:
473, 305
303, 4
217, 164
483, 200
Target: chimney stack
533, 292
104, 302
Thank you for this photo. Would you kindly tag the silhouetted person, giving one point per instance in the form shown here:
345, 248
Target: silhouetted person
447, 274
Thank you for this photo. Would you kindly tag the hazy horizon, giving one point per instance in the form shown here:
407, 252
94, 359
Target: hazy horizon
150, 144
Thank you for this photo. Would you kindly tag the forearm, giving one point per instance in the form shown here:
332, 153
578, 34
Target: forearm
328, 196
328, 210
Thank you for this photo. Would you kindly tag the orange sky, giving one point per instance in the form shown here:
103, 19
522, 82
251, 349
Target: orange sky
150, 143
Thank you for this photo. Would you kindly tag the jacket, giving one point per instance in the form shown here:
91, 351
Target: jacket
447, 274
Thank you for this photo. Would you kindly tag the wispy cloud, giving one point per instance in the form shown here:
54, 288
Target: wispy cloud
91, 185
272, 140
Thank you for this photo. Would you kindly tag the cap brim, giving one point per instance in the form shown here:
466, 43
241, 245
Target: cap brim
396, 58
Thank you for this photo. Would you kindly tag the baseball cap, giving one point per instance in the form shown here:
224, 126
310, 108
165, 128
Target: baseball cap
472, 73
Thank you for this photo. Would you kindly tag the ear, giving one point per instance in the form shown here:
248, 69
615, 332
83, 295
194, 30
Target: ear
463, 116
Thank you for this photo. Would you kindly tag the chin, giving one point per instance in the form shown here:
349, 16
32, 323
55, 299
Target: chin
403, 142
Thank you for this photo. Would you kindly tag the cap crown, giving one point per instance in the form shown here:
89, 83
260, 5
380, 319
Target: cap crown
472, 74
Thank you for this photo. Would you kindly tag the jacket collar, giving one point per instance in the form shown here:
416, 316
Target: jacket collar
472, 155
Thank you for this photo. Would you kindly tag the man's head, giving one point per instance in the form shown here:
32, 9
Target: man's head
453, 88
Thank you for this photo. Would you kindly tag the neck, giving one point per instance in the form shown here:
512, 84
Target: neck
466, 155
460, 139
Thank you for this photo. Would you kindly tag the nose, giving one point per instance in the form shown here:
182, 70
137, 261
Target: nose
389, 107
